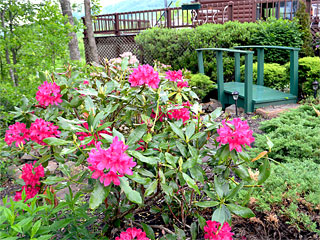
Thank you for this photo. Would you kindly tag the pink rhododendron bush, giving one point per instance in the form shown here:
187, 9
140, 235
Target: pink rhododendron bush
136, 136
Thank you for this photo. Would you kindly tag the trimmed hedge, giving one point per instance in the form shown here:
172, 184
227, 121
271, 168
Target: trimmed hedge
177, 47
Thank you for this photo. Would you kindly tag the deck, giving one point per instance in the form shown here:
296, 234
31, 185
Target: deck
261, 96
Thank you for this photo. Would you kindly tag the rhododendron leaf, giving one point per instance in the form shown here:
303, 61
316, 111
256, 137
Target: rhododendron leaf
137, 178
124, 63
88, 92
52, 141
97, 120
190, 163
42, 76
177, 130
265, 171
76, 102
260, 155
103, 126
110, 87
171, 159
190, 130
242, 173
89, 105
240, 210
147, 138
64, 169
152, 187
68, 150
148, 230
221, 214
53, 180
191, 183
180, 233
107, 137
136, 134
35, 228
140, 157
244, 156
207, 204
131, 194
60, 224
194, 230
197, 173
164, 96
118, 134
167, 189
182, 149
98, 195
269, 143
198, 135
145, 172
234, 191
71, 125
17, 228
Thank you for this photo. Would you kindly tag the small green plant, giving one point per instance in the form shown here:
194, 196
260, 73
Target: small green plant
295, 135
201, 84
291, 190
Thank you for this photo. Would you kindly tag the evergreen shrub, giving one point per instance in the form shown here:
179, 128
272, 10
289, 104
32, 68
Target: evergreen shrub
201, 84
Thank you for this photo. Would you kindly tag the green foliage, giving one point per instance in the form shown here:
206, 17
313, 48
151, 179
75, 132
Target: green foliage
292, 193
295, 135
303, 18
309, 71
177, 48
201, 84
275, 75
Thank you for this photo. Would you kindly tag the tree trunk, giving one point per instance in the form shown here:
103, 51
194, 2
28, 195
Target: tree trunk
73, 44
88, 23
11, 72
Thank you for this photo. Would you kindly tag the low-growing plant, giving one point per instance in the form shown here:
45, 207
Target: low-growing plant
138, 133
201, 84
292, 193
295, 135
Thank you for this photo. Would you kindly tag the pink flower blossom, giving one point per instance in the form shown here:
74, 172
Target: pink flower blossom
144, 74
237, 136
114, 160
17, 133
85, 82
41, 129
174, 76
83, 135
161, 115
30, 192
31, 175
48, 94
133, 234
181, 113
214, 233
182, 84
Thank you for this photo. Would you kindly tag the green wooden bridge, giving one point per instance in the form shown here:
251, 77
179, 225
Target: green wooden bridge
252, 96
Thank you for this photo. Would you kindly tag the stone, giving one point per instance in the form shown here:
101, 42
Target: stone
231, 110
274, 111
14, 172
210, 106
52, 166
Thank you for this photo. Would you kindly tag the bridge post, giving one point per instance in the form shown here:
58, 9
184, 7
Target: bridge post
294, 64
237, 76
260, 54
200, 61
221, 97
248, 104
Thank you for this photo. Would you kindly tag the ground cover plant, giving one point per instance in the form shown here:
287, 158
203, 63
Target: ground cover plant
138, 133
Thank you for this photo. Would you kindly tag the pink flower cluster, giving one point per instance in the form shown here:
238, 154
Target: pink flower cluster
17, 133
108, 165
176, 76
181, 113
31, 176
38, 131
133, 234
83, 135
144, 75
48, 94
214, 232
237, 136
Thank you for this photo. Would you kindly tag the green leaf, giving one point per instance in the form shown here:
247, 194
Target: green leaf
171, 159
132, 195
17, 228
136, 134
152, 187
53, 180
35, 228
167, 189
147, 138
118, 134
177, 130
221, 214
107, 137
269, 143
149, 231
98, 195
90, 92
137, 178
55, 141
57, 225
139, 156
198, 135
194, 230
146, 172
190, 130
182, 149
240, 210
265, 171
67, 151
191, 183
242, 173
45, 237
207, 204
235, 190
